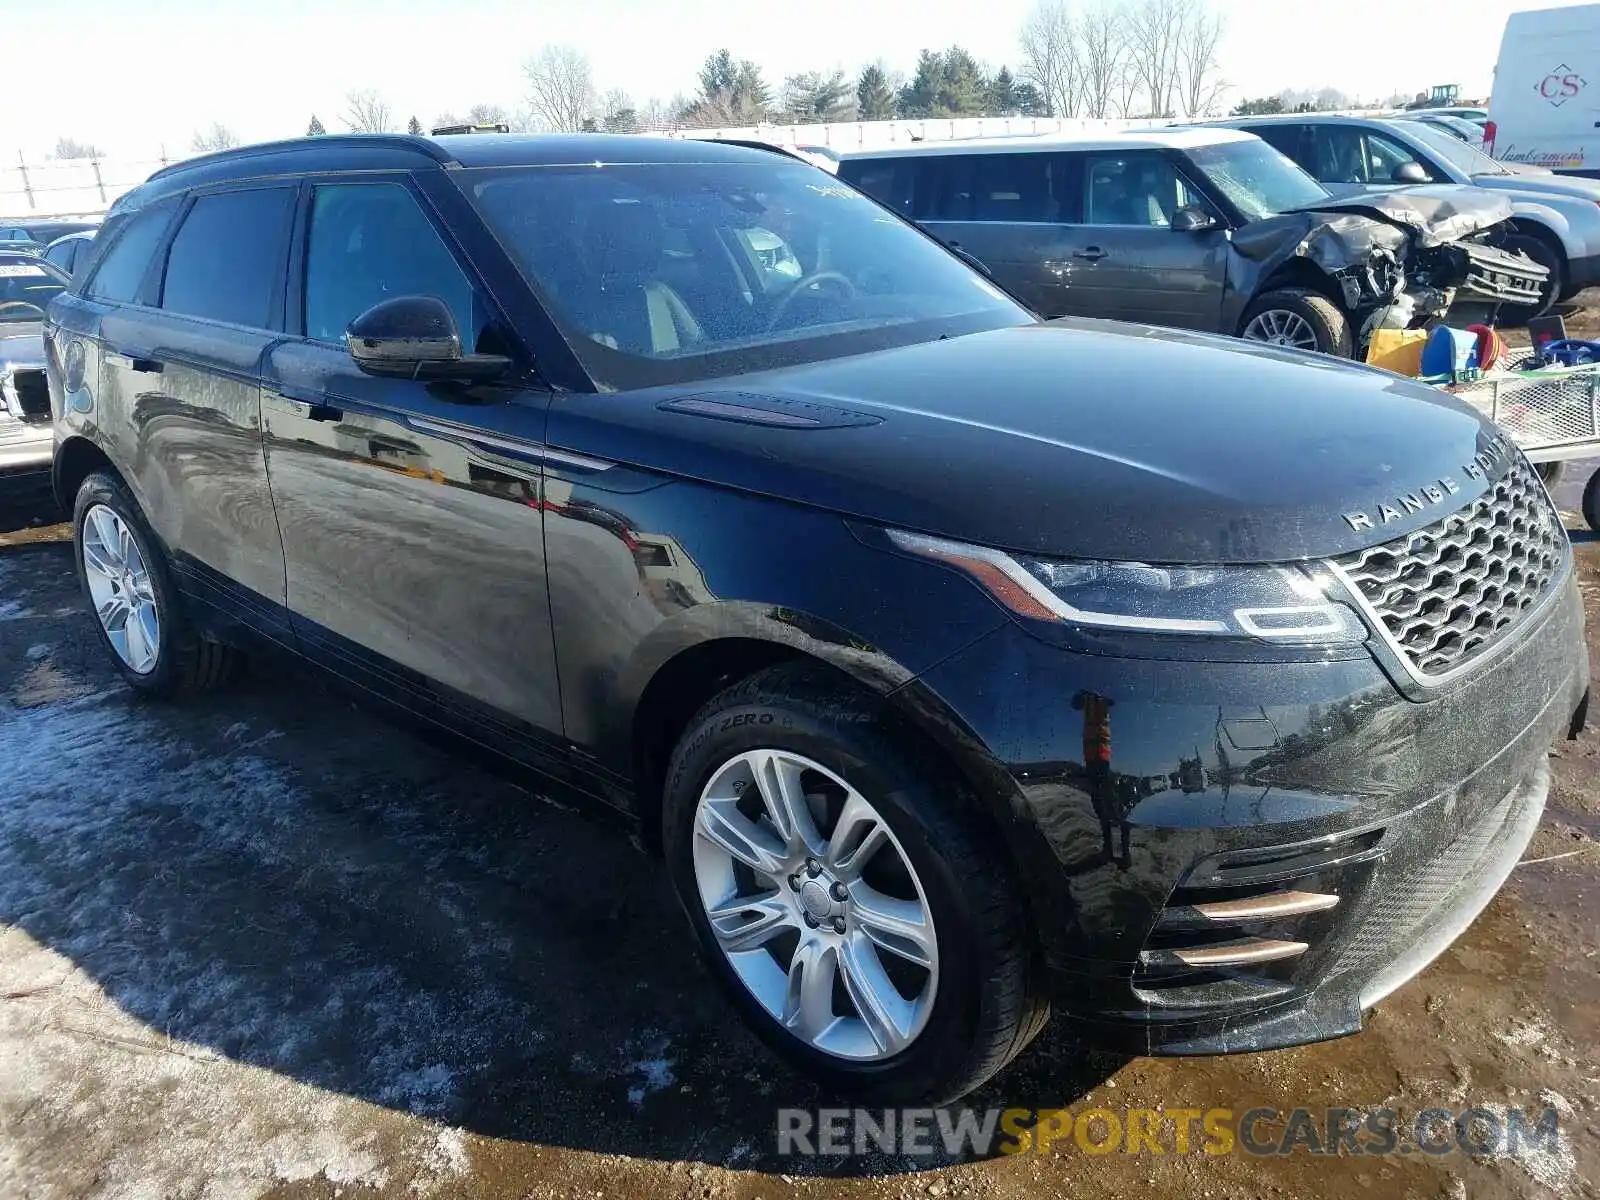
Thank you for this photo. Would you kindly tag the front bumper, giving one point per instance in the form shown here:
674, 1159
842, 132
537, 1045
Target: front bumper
1229, 780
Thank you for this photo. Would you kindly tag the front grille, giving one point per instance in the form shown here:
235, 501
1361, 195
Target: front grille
1451, 591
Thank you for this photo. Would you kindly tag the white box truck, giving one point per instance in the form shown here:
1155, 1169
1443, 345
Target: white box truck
1545, 110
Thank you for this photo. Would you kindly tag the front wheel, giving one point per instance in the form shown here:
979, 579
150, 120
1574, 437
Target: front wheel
854, 904
1299, 319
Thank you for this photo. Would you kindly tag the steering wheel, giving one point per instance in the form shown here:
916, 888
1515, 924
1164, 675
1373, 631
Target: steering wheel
808, 283
5, 304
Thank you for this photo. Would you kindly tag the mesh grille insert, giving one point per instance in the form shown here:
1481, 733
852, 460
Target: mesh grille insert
1450, 591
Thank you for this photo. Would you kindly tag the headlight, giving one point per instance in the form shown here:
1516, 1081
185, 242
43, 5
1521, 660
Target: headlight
1275, 604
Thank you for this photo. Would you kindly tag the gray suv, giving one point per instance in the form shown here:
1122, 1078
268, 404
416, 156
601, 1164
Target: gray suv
1208, 229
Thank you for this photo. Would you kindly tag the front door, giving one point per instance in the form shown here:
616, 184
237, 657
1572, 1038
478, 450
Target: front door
411, 512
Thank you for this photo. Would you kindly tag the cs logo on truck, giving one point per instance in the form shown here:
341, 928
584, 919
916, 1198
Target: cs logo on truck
1561, 85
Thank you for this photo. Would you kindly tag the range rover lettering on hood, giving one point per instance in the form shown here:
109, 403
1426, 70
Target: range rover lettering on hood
1484, 464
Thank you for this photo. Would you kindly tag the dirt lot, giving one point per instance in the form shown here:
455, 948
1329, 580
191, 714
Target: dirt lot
267, 945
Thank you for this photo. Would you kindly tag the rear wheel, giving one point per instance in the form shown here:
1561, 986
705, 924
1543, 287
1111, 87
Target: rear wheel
852, 900
1300, 319
137, 614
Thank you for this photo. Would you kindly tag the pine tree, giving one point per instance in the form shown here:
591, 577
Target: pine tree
315, 129
874, 100
414, 126
1003, 94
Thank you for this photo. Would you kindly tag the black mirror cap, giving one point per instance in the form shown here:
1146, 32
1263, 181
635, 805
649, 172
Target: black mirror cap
415, 337
1410, 172
1192, 219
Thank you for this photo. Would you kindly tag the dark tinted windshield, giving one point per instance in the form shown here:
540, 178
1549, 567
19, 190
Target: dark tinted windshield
25, 290
1259, 180
667, 273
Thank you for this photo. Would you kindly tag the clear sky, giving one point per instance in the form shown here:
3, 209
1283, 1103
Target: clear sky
130, 75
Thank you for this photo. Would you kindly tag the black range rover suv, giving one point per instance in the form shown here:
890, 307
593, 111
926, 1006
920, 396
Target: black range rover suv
959, 665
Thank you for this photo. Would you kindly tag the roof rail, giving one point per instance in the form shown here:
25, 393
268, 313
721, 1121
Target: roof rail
396, 141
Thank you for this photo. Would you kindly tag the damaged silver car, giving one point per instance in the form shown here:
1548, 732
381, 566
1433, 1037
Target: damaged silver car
1208, 229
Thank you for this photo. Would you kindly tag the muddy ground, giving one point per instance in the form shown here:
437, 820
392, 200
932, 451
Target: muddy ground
268, 945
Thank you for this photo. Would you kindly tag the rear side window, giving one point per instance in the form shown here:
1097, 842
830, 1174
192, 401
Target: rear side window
888, 181
227, 256
1285, 139
1014, 187
371, 242
124, 265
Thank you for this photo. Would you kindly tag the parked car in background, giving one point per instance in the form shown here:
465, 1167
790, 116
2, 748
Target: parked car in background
33, 236
1208, 229
839, 592
1476, 116
1470, 132
1555, 218
70, 251
27, 285
1545, 110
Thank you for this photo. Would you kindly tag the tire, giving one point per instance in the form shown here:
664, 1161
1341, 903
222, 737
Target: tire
1591, 502
1550, 473
1298, 309
1547, 256
984, 1009
179, 661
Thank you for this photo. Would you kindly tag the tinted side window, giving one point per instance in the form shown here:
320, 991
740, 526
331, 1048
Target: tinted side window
227, 256
1337, 154
371, 242
1134, 189
881, 180
1014, 187
1285, 139
62, 255
123, 267
947, 181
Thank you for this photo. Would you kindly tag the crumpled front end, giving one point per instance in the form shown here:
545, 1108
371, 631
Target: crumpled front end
1401, 258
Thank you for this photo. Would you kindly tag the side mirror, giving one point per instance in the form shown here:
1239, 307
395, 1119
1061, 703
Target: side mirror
1191, 218
1410, 172
415, 337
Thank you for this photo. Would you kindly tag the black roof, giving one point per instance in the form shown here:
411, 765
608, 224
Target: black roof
386, 151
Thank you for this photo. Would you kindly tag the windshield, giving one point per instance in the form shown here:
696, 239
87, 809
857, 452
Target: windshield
1458, 154
1258, 180
25, 291
663, 273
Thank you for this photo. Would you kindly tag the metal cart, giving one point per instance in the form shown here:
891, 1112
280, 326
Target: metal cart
1553, 413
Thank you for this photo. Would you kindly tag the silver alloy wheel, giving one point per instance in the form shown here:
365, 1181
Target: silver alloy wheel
1281, 327
830, 932
119, 584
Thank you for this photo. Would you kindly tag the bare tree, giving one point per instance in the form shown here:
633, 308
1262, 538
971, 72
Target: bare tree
218, 137
487, 114
1199, 73
366, 112
1155, 33
560, 88
67, 147
658, 114
1103, 49
1050, 56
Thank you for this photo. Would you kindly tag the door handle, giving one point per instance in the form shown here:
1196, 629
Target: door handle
307, 410
134, 362
1092, 253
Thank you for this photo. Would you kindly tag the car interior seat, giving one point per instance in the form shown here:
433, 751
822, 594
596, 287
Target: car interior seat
630, 306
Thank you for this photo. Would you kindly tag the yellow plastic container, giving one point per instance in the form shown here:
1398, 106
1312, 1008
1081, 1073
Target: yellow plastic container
1397, 350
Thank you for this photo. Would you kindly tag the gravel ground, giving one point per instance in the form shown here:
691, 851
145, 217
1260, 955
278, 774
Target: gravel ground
268, 945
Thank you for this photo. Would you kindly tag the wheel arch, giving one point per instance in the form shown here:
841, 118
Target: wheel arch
1296, 272
75, 460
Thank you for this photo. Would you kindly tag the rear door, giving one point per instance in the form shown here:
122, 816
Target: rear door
1015, 213
1141, 268
411, 512
194, 362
